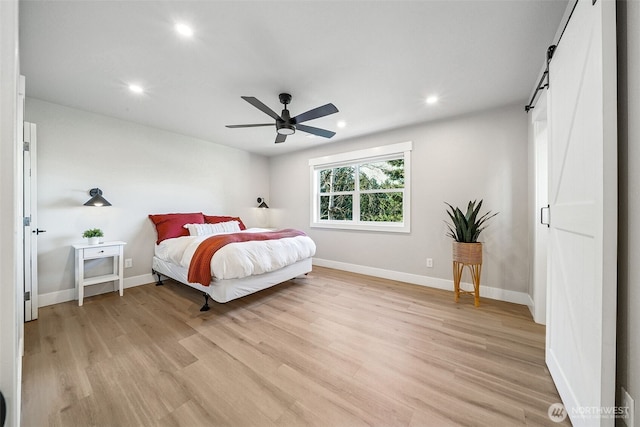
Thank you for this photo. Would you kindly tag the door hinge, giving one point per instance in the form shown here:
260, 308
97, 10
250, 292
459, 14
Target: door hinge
27, 296
26, 221
26, 146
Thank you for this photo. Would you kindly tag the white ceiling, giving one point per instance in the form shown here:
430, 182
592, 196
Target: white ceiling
376, 61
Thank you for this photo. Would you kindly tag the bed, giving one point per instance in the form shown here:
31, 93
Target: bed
243, 261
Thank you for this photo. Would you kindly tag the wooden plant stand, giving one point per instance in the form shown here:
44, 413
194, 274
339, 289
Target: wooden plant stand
469, 255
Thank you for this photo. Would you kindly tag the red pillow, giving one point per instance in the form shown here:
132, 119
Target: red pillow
213, 219
171, 225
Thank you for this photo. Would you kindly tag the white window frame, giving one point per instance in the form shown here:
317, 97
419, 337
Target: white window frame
386, 152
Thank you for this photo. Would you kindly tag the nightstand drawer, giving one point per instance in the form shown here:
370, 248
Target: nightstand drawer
101, 251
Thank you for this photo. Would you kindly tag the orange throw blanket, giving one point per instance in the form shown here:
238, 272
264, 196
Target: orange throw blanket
200, 267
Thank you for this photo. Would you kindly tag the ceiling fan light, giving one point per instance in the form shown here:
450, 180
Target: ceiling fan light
286, 129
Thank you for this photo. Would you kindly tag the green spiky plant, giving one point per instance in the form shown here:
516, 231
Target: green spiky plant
466, 228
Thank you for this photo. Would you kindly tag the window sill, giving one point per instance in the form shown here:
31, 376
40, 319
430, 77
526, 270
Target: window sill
383, 228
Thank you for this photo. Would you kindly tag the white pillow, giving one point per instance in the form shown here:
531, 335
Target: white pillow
211, 229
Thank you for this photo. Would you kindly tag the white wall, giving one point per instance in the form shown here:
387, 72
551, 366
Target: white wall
628, 362
141, 171
481, 156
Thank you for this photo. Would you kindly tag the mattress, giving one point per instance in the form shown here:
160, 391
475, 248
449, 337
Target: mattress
241, 259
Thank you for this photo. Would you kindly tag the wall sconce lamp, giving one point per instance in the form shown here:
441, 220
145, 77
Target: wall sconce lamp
262, 204
96, 198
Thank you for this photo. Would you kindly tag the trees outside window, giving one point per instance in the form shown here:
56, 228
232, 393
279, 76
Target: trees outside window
363, 193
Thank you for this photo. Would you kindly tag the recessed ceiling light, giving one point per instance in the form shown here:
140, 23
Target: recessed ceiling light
136, 88
184, 30
432, 100
341, 124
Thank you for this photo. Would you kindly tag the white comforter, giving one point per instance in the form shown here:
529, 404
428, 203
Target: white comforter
240, 259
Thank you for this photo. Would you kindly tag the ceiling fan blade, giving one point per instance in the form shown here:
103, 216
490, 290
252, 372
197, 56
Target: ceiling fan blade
316, 131
325, 110
249, 126
260, 106
280, 138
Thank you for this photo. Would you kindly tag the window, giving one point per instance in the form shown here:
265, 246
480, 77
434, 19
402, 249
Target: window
362, 190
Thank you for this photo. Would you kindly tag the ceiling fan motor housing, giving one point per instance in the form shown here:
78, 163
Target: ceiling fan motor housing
286, 126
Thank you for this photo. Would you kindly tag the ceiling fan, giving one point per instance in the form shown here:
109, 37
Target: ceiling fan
287, 125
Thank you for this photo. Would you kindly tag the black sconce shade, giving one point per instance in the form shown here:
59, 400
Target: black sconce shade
262, 204
96, 198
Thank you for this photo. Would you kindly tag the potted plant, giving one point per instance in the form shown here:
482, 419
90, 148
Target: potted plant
465, 228
93, 234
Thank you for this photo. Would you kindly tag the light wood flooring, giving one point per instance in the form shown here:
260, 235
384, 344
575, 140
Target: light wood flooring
332, 349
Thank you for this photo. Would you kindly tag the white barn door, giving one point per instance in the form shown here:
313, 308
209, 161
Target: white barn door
581, 312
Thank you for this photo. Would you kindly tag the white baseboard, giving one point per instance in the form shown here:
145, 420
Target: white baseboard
70, 294
143, 279
56, 297
432, 282
416, 279
531, 305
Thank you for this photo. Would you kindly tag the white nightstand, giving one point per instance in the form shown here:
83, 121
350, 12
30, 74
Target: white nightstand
103, 250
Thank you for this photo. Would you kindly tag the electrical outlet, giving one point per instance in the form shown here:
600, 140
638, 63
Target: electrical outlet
128, 263
429, 262
628, 403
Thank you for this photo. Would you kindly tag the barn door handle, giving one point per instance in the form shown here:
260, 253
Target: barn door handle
542, 215
38, 231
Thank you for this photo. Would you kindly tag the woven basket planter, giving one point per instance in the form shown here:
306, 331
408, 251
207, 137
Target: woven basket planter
467, 253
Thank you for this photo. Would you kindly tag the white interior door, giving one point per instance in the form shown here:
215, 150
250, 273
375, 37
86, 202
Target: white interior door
581, 312
31, 229
541, 197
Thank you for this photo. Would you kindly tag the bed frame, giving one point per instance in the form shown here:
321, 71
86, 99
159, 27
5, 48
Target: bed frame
226, 290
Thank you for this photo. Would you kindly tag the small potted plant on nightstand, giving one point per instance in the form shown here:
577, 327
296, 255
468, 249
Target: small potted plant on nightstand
94, 235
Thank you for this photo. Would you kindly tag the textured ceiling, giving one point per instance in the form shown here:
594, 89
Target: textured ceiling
376, 61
